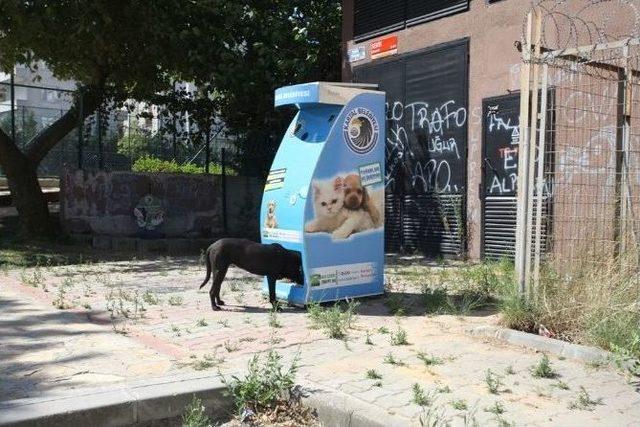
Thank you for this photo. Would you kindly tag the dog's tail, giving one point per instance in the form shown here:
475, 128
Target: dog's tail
207, 261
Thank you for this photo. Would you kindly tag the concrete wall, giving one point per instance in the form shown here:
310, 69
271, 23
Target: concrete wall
494, 69
102, 203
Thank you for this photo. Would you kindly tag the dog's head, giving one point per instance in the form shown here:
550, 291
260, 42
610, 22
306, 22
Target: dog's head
355, 195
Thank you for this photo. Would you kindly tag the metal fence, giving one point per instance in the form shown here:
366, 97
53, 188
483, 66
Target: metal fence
107, 140
580, 150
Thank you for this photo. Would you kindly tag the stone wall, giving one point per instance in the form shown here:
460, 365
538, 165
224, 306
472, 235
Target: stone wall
158, 205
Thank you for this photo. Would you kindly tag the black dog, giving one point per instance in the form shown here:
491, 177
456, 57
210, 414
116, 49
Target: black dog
272, 261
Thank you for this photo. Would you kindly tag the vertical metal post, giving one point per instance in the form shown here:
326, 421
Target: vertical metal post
207, 150
223, 164
540, 180
22, 127
80, 127
14, 104
100, 148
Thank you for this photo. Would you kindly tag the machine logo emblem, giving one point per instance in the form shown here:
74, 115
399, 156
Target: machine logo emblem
361, 130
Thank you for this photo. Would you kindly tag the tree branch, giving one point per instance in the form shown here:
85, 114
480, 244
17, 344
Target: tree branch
44, 141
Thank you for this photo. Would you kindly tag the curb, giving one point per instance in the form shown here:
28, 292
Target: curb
133, 403
540, 343
147, 402
336, 408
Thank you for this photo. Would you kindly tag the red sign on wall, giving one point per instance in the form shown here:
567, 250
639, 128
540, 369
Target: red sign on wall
384, 47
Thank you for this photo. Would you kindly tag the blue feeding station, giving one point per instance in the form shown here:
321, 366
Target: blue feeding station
324, 195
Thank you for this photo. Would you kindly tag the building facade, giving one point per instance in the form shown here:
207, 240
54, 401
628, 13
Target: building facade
451, 71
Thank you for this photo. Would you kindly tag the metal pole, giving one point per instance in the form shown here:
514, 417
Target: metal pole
223, 161
207, 150
13, 105
100, 148
80, 129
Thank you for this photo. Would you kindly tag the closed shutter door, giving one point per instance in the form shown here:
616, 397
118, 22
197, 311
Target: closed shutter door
376, 17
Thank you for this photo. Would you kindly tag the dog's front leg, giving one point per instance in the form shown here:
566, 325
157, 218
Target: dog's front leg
271, 281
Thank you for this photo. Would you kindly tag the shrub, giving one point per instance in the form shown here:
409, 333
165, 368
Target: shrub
153, 164
195, 415
264, 385
334, 321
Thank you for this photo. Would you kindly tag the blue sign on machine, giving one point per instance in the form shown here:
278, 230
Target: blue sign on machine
324, 195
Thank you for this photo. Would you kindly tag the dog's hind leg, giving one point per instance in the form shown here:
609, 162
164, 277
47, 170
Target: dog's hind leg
271, 281
214, 293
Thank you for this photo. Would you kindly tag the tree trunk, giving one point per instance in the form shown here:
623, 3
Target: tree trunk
28, 198
21, 168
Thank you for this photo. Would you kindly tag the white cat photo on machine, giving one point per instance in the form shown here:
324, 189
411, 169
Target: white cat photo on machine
343, 207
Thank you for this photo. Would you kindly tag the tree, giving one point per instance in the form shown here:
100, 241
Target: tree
113, 49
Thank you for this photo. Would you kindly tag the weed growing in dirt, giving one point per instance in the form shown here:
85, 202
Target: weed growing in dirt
429, 360
273, 318
264, 385
399, 337
496, 409
207, 361
247, 339
201, 322
367, 340
434, 417
150, 297
230, 347
35, 279
493, 381
334, 321
459, 404
176, 330
383, 330
543, 368
60, 301
223, 322
195, 414
391, 360
443, 389
509, 370
421, 398
373, 375
627, 358
175, 300
561, 385
584, 401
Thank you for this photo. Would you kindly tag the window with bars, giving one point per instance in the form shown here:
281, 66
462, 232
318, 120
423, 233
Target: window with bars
375, 17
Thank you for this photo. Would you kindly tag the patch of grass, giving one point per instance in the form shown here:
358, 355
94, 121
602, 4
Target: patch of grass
223, 322
561, 385
247, 339
373, 375
509, 370
584, 401
201, 322
497, 409
383, 330
391, 360
35, 278
434, 417
175, 300
264, 385
195, 414
419, 397
207, 361
543, 368
627, 357
493, 381
459, 404
399, 337
434, 300
429, 360
334, 321
176, 330
395, 304
150, 297
377, 384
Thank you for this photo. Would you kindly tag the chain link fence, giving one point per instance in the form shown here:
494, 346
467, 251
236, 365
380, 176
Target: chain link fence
112, 140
